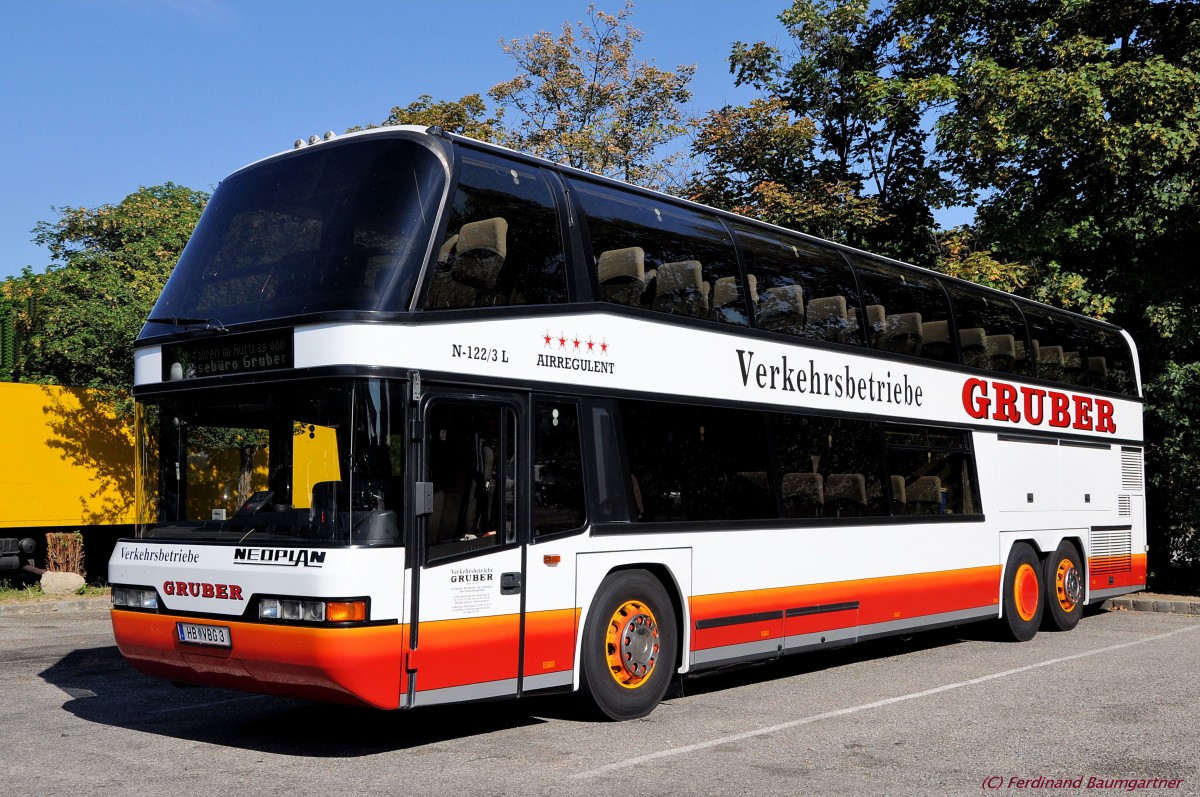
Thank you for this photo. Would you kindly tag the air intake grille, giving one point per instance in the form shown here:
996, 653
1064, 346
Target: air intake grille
1131, 469
1111, 551
1124, 506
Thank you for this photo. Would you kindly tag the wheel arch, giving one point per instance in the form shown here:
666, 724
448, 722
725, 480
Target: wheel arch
671, 568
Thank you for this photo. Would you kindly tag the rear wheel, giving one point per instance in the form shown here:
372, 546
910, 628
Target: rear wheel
1023, 604
1063, 579
629, 646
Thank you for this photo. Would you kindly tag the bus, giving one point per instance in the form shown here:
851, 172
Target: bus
422, 420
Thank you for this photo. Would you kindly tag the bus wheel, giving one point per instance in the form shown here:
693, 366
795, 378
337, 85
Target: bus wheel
629, 646
1063, 579
1023, 592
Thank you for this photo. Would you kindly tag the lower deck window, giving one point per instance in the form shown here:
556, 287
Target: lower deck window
689, 463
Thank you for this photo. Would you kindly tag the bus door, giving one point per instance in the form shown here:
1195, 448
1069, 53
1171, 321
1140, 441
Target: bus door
465, 640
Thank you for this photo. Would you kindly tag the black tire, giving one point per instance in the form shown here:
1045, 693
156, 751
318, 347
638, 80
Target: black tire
1063, 582
630, 646
1024, 598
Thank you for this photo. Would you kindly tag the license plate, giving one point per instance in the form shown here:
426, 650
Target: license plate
195, 634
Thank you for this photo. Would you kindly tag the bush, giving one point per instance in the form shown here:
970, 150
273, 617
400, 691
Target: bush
64, 552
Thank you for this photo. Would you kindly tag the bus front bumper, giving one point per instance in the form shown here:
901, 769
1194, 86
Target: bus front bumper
358, 665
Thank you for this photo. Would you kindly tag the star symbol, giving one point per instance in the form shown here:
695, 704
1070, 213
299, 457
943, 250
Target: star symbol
603, 347
590, 344
546, 337
576, 342
562, 342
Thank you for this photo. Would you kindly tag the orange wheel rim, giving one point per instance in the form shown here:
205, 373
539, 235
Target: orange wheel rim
632, 644
1068, 585
1025, 591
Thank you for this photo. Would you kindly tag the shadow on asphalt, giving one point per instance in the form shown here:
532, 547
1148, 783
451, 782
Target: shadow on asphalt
102, 688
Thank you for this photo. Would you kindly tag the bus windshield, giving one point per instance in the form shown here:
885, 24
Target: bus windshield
319, 462
342, 227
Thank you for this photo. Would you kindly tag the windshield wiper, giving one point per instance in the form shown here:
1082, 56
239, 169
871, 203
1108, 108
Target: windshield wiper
209, 324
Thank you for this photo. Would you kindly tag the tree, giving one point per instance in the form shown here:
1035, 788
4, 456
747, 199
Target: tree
1079, 122
583, 98
758, 162
466, 116
78, 320
838, 140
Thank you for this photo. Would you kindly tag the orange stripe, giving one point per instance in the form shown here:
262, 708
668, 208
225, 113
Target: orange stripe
1134, 576
880, 600
345, 665
550, 641
470, 650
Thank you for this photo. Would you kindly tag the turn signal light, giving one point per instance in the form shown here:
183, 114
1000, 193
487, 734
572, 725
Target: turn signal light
346, 611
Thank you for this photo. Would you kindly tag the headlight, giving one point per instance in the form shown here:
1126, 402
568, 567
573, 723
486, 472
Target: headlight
311, 611
291, 609
134, 598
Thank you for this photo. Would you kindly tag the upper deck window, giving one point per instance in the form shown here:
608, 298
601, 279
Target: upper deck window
990, 330
906, 310
652, 254
800, 288
502, 244
342, 226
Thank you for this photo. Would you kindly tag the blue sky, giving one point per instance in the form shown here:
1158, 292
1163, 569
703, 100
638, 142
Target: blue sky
100, 98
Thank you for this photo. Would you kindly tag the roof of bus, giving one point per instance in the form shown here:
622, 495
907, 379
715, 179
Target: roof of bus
438, 133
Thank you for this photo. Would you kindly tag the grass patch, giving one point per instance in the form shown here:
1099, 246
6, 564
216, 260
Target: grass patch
16, 592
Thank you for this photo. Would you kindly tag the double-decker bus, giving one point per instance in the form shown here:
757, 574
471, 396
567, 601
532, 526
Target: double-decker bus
422, 419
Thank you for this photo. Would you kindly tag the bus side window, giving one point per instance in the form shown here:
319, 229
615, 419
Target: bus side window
502, 245
916, 315
832, 467
990, 330
697, 463
800, 288
1109, 364
934, 471
1060, 351
558, 496
652, 254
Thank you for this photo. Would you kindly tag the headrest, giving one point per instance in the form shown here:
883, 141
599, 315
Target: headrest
935, 331
971, 337
680, 275
490, 235
826, 307
927, 489
725, 291
617, 263
903, 324
1001, 345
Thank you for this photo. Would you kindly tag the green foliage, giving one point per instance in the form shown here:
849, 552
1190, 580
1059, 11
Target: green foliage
583, 98
78, 319
759, 158
959, 258
1173, 463
466, 116
1080, 119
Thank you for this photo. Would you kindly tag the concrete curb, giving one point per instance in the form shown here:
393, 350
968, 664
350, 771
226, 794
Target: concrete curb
1148, 602
65, 606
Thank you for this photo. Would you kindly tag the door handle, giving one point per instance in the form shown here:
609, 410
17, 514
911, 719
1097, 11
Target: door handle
510, 583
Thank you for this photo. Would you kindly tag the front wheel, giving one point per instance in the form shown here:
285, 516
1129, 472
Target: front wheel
1023, 604
630, 645
1063, 580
